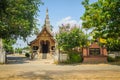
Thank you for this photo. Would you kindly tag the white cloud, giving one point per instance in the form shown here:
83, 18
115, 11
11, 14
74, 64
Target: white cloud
69, 20
80, 23
65, 21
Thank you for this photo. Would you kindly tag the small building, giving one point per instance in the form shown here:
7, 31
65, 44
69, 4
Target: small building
44, 42
94, 50
95, 53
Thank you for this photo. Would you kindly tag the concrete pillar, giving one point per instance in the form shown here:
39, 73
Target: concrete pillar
2, 58
85, 51
2, 53
104, 51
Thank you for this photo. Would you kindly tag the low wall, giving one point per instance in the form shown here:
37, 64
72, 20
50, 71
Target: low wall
117, 53
63, 57
2, 58
60, 58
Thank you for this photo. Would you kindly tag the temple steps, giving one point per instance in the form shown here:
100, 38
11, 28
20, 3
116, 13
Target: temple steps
95, 59
40, 56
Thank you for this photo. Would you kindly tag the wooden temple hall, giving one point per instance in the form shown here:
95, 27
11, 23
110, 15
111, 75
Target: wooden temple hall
44, 42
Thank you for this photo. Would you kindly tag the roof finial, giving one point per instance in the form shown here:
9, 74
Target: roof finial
47, 10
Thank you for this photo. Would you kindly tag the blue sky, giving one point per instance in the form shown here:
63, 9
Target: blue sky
60, 12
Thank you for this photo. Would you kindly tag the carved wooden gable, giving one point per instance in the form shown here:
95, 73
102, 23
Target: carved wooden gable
94, 45
44, 33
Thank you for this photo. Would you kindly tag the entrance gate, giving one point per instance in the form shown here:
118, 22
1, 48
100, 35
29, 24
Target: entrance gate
44, 48
94, 51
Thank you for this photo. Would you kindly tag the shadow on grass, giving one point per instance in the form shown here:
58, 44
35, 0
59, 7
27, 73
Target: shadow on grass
90, 63
71, 64
43, 75
61, 75
33, 75
82, 63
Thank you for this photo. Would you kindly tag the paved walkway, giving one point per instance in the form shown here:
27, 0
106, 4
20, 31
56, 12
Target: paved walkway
46, 70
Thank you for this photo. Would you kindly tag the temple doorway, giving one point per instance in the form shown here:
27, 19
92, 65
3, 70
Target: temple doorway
44, 48
94, 51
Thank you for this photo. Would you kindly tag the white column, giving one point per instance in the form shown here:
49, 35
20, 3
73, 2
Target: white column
2, 53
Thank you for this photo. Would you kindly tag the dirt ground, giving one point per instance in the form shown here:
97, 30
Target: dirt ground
20, 68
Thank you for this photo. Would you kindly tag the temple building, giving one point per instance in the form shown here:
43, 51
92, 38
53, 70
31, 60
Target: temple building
44, 43
95, 53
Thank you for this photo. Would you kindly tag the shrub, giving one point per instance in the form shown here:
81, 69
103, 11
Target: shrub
117, 58
75, 57
110, 59
27, 54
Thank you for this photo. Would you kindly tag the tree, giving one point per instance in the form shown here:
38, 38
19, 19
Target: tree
69, 38
51, 27
7, 45
113, 45
18, 50
26, 48
103, 17
17, 18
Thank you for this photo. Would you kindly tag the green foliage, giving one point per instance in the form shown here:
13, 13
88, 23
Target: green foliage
51, 27
18, 50
17, 18
71, 38
7, 45
26, 48
110, 59
117, 58
113, 45
103, 17
74, 57
27, 54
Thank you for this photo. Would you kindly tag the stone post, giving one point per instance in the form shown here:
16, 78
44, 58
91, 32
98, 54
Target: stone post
2, 53
104, 51
85, 51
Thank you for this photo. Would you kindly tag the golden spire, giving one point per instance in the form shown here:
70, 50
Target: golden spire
47, 22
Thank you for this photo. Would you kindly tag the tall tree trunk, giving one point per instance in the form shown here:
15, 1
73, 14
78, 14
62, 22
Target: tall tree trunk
2, 53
